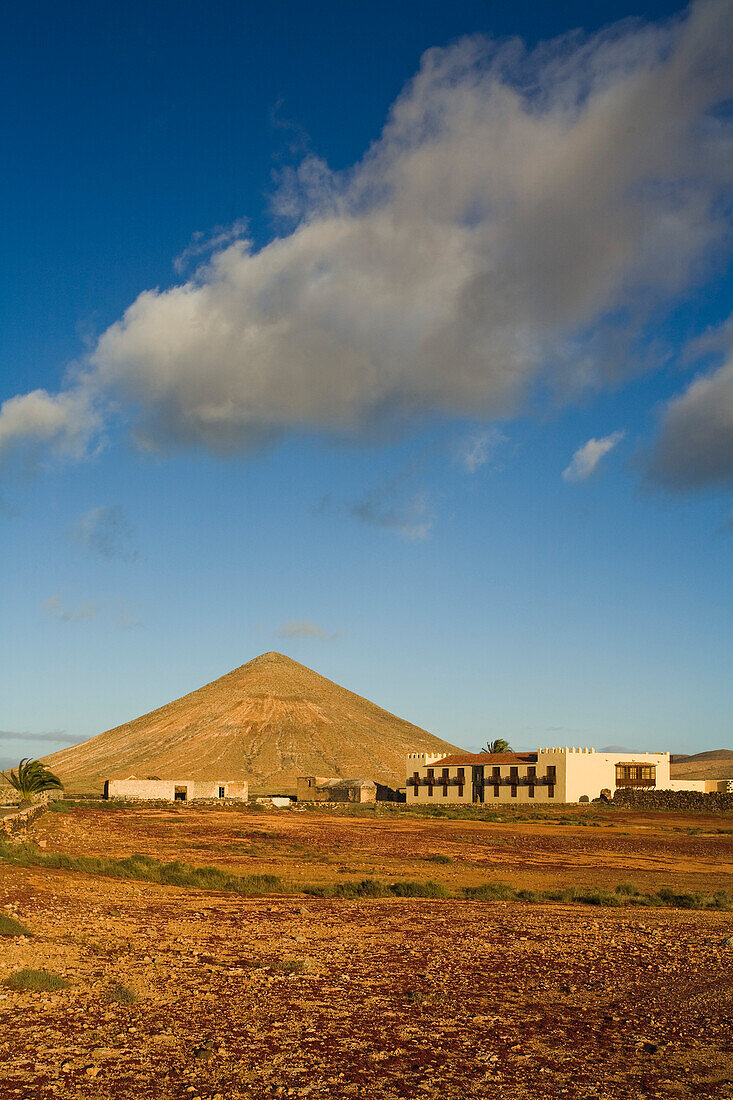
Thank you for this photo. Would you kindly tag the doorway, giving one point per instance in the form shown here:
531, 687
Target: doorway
477, 776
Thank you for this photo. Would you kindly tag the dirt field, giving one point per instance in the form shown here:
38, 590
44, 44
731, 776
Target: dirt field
301, 996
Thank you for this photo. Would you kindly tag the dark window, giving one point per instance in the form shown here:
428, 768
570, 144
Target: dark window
531, 773
551, 776
460, 790
514, 774
530, 790
431, 773
221, 792
550, 790
496, 774
415, 791
636, 775
514, 792
461, 775
445, 790
430, 790
446, 773
496, 790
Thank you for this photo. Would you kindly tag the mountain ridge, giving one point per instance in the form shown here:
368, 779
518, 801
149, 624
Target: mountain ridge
711, 764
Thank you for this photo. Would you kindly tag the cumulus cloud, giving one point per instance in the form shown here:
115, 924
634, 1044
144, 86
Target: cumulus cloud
694, 448
104, 530
64, 423
479, 448
56, 608
586, 458
519, 215
302, 628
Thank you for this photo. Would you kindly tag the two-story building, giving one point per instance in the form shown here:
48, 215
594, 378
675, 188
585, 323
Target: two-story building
547, 775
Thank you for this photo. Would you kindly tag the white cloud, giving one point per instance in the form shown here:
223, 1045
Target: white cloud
586, 458
695, 445
514, 203
65, 422
299, 628
477, 449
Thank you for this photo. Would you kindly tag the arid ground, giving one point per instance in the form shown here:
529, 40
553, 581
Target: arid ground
187, 993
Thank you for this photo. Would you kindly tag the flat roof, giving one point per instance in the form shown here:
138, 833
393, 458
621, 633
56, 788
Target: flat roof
485, 758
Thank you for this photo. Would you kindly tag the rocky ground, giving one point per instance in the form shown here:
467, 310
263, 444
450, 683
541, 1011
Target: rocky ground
183, 994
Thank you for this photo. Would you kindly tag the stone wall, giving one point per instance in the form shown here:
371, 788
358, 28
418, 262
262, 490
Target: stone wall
713, 802
16, 824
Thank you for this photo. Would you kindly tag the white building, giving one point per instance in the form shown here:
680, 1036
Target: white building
175, 790
548, 775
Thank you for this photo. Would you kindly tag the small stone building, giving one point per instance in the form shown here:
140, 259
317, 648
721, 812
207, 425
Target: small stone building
175, 790
319, 788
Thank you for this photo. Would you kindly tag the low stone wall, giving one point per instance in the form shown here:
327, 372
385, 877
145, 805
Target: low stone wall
18, 823
712, 802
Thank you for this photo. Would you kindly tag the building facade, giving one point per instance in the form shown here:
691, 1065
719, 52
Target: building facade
547, 775
175, 790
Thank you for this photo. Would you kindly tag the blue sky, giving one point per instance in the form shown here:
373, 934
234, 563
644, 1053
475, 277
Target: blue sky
425, 377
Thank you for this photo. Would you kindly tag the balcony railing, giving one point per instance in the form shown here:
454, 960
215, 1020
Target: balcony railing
503, 781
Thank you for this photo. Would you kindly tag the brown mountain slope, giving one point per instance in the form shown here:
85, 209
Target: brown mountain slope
267, 721
715, 764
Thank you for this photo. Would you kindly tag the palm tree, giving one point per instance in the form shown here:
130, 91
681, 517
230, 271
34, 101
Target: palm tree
32, 777
499, 745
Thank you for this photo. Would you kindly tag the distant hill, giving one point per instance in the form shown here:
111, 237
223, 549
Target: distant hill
715, 764
268, 721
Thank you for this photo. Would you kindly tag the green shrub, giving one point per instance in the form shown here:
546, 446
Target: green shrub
597, 897
11, 927
373, 888
490, 891
35, 981
439, 858
419, 890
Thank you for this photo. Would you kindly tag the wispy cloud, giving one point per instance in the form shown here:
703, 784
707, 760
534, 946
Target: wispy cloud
395, 505
479, 448
204, 244
106, 531
465, 258
304, 628
127, 616
586, 458
52, 735
411, 518
123, 614
57, 608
